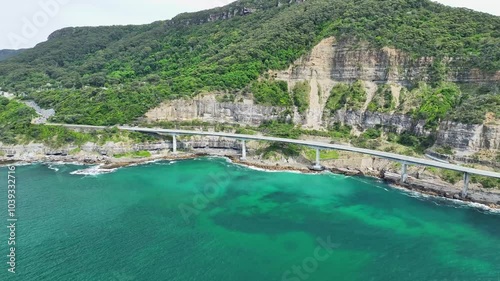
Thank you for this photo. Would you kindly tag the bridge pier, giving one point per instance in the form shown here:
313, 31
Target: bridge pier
317, 166
404, 173
466, 184
174, 143
243, 150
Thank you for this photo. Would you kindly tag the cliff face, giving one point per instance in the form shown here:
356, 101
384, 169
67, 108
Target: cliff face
33, 150
347, 62
469, 138
366, 120
330, 63
208, 109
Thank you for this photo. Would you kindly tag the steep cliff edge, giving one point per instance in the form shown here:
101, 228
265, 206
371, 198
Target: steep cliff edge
380, 72
348, 61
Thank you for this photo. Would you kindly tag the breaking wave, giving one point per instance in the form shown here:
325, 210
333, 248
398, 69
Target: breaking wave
93, 171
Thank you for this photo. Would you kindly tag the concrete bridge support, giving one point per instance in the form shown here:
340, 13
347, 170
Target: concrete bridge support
174, 143
317, 165
243, 150
466, 184
404, 173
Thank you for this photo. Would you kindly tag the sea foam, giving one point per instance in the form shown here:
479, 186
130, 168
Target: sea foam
93, 171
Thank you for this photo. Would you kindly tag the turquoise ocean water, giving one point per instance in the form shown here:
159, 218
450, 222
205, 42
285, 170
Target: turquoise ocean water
208, 219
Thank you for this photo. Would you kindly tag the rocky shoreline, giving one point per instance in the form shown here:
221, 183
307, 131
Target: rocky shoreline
422, 186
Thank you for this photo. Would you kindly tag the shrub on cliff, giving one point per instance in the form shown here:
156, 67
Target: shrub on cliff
271, 93
348, 96
300, 95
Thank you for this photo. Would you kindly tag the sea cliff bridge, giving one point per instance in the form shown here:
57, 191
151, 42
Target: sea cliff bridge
404, 160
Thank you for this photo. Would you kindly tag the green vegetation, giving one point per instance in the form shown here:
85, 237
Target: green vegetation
300, 95
476, 103
451, 176
437, 104
323, 154
486, 182
100, 106
418, 143
16, 127
372, 133
15, 120
363, 142
432, 104
455, 177
136, 154
383, 101
351, 97
91, 74
244, 131
226, 98
271, 93
5, 54
282, 130
274, 150
340, 131
446, 150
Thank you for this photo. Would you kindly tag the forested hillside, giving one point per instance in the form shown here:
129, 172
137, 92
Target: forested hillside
5, 54
111, 75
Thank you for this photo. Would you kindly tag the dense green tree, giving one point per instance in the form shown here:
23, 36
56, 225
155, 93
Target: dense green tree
351, 97
271, 93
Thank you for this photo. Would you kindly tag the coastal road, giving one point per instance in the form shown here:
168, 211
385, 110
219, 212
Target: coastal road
406, 160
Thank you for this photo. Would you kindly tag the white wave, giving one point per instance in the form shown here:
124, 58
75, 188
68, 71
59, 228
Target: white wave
53, 167
441, 201
164, 163
19, 164
142, 163
93, 171
251, 167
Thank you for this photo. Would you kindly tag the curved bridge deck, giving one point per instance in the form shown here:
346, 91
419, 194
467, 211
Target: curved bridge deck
405, 160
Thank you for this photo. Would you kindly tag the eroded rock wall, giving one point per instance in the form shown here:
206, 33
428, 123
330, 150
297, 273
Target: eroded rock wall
332, 62
208, 109
469, 138
365, 120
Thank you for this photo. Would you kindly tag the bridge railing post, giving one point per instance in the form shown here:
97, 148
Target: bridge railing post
243, 150
466, 184
404, 173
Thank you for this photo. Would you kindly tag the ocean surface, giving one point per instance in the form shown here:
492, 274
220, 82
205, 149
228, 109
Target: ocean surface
208, 219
